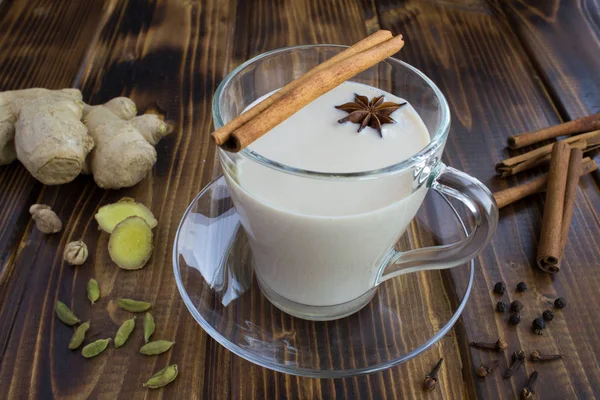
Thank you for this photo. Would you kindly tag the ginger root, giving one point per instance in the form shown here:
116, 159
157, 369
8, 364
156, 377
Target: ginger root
130, 245
45, 219
75, 253
110, 215
43, 129
8, 116
124, 151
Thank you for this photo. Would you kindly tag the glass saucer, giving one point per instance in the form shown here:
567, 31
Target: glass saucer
213, 270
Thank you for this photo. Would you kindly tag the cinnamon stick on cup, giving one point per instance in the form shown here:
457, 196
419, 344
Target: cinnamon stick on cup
221, 135
563, 179
316, 84
580, 125
508, 196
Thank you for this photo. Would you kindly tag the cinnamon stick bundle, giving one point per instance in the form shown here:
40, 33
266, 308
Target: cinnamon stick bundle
580, 125
511, 166
508, 196
316, 84
563, 178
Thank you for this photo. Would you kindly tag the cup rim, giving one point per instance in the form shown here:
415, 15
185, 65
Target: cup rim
438, 138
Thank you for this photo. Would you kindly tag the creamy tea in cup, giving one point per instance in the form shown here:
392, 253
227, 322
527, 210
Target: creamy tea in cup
324, 205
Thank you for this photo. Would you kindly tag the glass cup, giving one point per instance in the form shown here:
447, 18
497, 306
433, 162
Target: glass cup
318, 252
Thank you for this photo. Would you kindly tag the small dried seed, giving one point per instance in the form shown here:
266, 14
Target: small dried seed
124, 332
133, 305
499, 288
560, 302
162, 377
65, 314
522, 287
548, 315
75, 253
516, 306
538, 325
156, 347
149, 326
95, 348
501, 306
45, 219
515, 319
93, 291
79, 335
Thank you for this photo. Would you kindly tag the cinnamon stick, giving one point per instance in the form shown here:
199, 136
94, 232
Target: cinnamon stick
508, 196
573, 175
585, 124
511, 166
550, 237
317, 84
221, 135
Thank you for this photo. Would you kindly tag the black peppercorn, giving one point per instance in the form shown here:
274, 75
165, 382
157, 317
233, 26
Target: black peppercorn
501, 306
548, 315
538, 325
521, 286
499, 288
560, 303
516, 306
514, 319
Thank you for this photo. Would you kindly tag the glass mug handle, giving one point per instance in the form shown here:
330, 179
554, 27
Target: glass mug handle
480, 202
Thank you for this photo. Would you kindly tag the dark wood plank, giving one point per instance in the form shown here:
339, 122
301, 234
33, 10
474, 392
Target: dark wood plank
137, 54
479, 63
466, 47
563, 39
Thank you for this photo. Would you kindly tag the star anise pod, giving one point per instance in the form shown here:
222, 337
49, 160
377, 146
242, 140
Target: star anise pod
374, 113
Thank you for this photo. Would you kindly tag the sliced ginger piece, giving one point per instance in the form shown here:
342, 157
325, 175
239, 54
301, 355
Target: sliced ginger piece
110, 215
130, 245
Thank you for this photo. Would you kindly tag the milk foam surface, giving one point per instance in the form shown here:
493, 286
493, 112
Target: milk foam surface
312, 139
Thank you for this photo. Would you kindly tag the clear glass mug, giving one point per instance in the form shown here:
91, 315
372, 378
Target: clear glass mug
318, 253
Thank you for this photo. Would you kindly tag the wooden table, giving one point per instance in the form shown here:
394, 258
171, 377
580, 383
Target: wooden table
505, 66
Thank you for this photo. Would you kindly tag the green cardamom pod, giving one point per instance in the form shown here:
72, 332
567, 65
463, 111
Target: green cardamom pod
93, 291
148, 326
65, 314
79, 335
95, 348
162, 377
133, 305
156, 347
124, 332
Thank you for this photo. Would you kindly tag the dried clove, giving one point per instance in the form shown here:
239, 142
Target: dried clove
499, 345
518, 357
486, 369
528, 392
535, 356
430, 381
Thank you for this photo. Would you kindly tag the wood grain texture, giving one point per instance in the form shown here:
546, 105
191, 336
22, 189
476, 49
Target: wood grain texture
170, 56
562, 38
473, 55
135, 53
